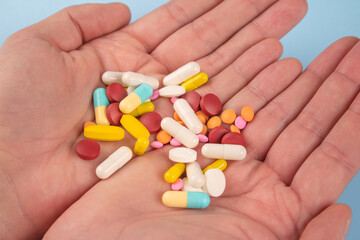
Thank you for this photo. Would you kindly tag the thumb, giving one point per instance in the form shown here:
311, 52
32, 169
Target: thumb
331, 224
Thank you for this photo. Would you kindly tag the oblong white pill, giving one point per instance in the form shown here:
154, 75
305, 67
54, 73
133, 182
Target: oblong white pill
215, 182
179, 132
195, 175
188, 188
172, 91
114, 162
188, 116
182, 155
135, 79
182, 74
224, 151
111, 77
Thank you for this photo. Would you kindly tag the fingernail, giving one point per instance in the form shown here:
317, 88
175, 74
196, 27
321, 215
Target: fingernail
346, 229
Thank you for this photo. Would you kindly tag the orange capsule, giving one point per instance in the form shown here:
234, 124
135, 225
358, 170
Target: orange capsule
163, 137
228, 116
214, 122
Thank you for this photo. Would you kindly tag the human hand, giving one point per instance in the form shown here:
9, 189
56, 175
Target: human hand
49, 71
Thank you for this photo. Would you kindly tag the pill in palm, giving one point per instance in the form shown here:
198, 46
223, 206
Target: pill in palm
216, 134
247, 113
177, 185
182, 74
182, 134
193, 98
156, 144
215, 182
134, 127
175, 143
163, 137
136, 98
203, 138
228, 116
195, 175
224, 151
171, 91
151, 120
113, 114
188, 116
188, 188
141, 145
100, 104
214, 122
142, 109
240, 122
220, 164
195, 82
174, 172
88, 149
88, 123
115, 92
181, 199
233, 138
111, 77
210, 104
155, 95
133, 79
104, 133
234, 128
182, 155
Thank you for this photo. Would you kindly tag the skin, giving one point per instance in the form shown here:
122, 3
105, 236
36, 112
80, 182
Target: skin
283, 190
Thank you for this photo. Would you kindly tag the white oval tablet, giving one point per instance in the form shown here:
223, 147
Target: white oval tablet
182, 155
182, 74
188, 188
135, 79
195, 175
172, 91
214, 182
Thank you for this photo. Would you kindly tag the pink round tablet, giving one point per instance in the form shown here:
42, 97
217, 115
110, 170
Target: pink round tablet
216, 134
155, 95
88, 149
156, 144
203, 138
151, 121
173, 99
210, 104
177, 185
113, 114
115, 92
233, 138
174, 142
193, 98
240, 122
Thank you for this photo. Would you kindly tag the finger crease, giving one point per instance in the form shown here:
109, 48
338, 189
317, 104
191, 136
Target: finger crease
77, 27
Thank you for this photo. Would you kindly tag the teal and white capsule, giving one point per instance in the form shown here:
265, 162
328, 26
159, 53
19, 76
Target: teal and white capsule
136, 98
100, 104
181, 199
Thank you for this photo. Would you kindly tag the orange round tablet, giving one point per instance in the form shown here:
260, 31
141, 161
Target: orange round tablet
203, 114
201, 118
228, 116
163, 137
204, 131
214, 122
247, 113
234, 128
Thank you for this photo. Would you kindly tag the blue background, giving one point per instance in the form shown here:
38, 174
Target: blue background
325, 22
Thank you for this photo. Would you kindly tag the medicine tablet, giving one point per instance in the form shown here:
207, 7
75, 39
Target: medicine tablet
216, 134
174, 172
172, 91
151, 121
182, 155
203, 138
215, 182
163, 137
113, 114
240, 122
133, 79
88, 149
156, 144
181, 74
115, 92
247, 113
224, 151
104, 133
111, 77
214, 122
175, 143
219, 164
188, 116
233, 138
210, 104
195, 175
188, 188
193, 98
234, 128
177, 185
173, 99
228, 116
155, 95
181, 133
134, 127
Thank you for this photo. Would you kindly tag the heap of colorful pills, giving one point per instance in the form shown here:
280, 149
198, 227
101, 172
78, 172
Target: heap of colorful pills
127, 102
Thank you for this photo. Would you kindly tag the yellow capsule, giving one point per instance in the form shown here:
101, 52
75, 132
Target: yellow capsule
104, 133
141, 145
195, 82
219, 164
174, 172
134, 127
143, 108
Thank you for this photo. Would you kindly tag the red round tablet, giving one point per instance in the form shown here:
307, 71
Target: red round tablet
193, 98
210, 104
113, 114
234, 138
151, 121
115, 92
216, 134
88, 149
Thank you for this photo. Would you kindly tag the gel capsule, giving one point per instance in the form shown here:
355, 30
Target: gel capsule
136, 98
104, 133
174, 172
181, 74
182, 199
100, 104
143, 108
182, 155
141, 145
195, 175
195, 82
114, 162
219, 164
132, 79
188, 116
182, 134
111, 77
224, 151
134, 127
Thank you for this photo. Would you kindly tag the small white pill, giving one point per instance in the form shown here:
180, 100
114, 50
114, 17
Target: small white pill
114, 162
223, 151
188, 188
188, 116
172, 91
195, 175
182, 155
111, 77
214, 182
130, 90
135, 79
179, 132
182, 74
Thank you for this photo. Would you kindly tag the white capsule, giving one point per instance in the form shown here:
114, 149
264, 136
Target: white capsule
135, 79
114, 162
130, 90
182, 74
172, 91
111, 77
188, 188
214, 182
188, 116
182, 155
179, 132
223, 151
195, 175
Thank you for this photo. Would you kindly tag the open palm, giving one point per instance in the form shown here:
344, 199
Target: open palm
52, 68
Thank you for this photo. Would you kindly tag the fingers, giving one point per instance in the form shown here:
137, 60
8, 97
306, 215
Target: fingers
73, 26
332, 224
270, 122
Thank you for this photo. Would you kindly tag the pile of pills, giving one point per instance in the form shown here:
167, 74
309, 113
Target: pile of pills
127, 102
